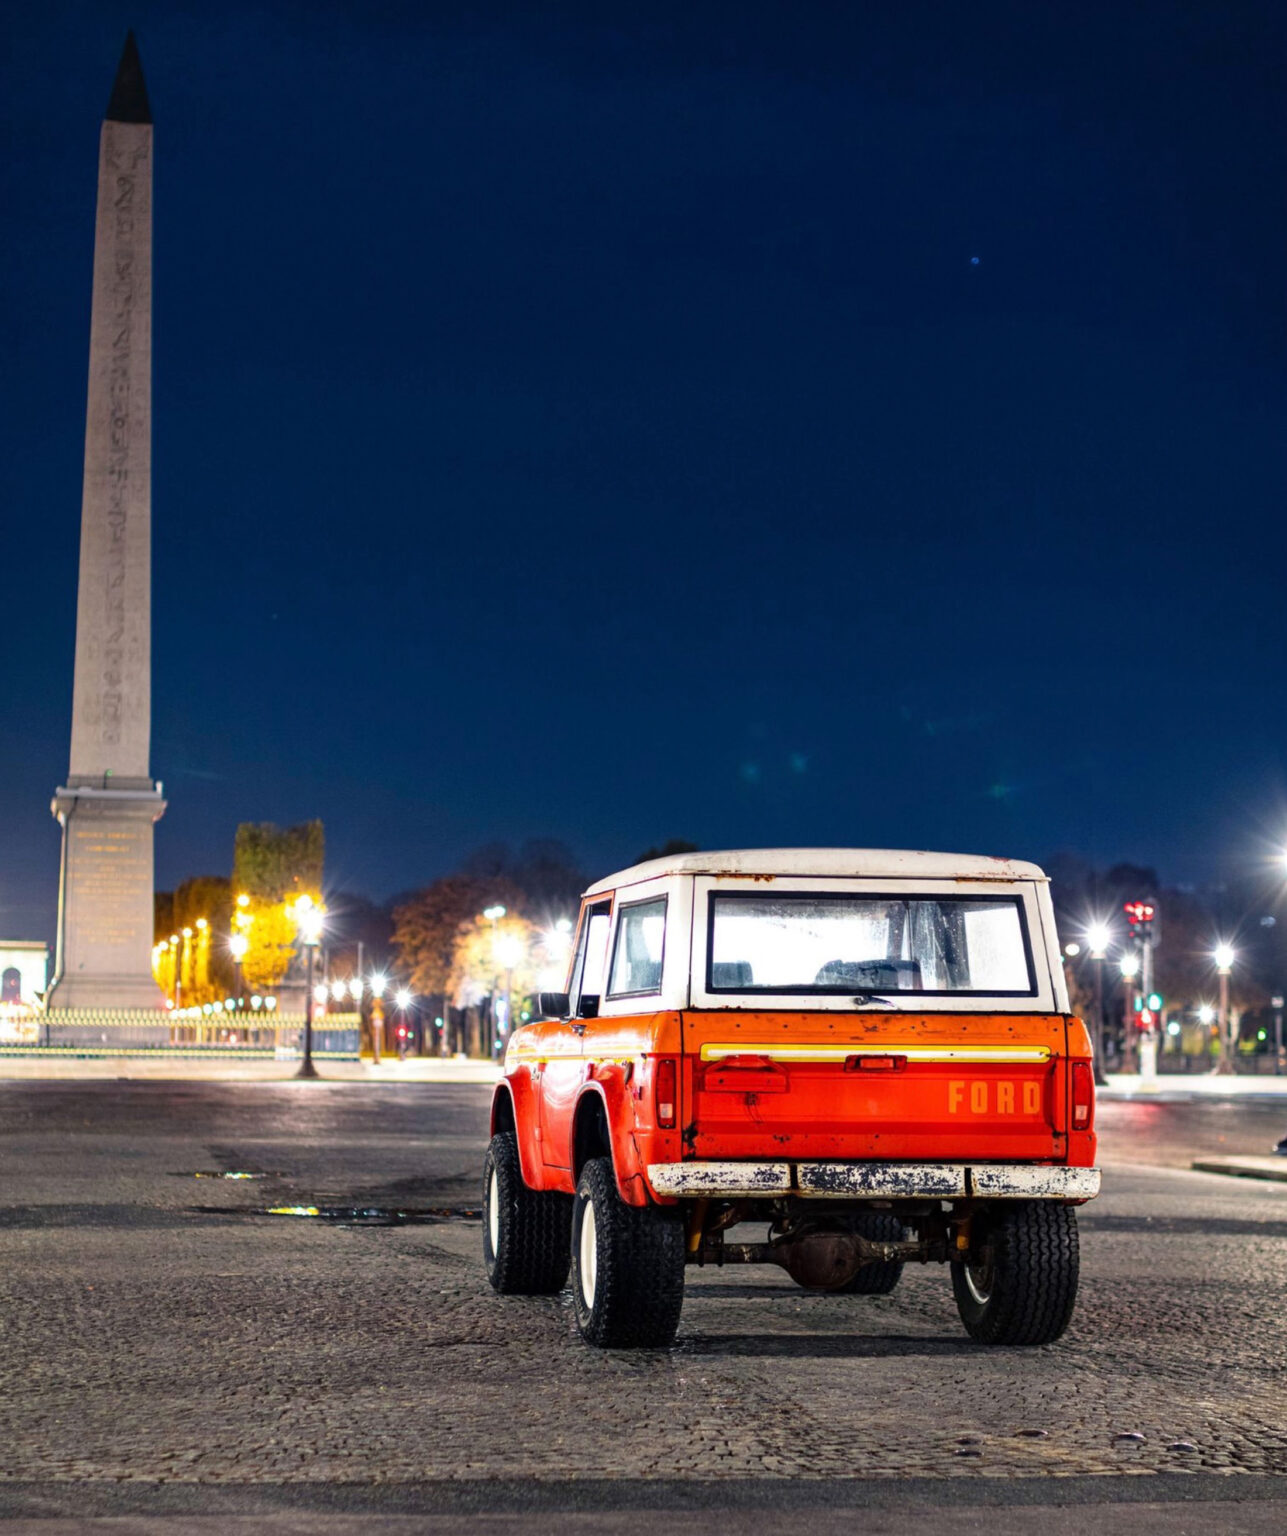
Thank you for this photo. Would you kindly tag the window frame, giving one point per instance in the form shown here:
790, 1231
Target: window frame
643, 901
1040, 945
601, 906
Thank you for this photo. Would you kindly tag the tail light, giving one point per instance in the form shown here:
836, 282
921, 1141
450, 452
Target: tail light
1083, 1096
665, 1086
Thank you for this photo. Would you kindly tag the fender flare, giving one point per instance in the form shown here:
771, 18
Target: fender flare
529, 1161
622, 1152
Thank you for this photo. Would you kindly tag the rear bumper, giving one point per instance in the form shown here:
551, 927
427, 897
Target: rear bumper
874, 1181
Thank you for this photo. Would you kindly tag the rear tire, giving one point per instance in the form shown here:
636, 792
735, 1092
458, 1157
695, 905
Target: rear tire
1020, 1285
525, 1231
627, 1265
877, 1279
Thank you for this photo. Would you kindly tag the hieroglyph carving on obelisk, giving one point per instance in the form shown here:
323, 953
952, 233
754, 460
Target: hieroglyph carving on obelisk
109, 804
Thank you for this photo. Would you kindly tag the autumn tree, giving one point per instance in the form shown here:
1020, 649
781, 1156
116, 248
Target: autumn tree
198, 914
272, 868
428, 926
493, 956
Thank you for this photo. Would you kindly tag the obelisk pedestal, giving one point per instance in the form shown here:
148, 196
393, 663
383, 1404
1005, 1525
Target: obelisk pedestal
109, 804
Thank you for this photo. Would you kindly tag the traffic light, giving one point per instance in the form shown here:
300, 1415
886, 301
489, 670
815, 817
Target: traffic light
1139, 913
1154, 1001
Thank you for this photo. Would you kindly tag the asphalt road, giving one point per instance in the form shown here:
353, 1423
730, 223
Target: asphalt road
176, 1361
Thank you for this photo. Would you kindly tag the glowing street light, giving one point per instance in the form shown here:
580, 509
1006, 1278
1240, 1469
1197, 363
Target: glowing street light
508, 950
378, 984
238, 944
1098, 936
1224, 956
1129, 966
309, 919
494, 914
402, 998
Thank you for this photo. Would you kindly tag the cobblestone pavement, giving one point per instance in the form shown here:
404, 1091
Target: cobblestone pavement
158, 1332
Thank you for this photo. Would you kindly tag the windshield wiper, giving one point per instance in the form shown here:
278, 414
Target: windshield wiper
865, 999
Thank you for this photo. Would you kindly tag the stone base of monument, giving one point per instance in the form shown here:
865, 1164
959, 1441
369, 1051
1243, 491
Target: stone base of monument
99, 995
122, 1029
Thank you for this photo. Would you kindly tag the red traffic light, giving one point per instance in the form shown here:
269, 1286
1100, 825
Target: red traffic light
1145, 1018
1139, 912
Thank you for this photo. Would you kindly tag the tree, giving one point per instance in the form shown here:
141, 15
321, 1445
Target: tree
487, 956
275, 864
428, 925
199, 912
272, 869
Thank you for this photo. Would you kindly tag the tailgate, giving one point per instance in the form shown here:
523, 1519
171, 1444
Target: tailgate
865, 1085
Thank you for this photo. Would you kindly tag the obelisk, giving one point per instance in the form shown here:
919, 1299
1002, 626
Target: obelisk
109, 804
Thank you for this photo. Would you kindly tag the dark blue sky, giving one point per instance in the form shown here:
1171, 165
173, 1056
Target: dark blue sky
820, 423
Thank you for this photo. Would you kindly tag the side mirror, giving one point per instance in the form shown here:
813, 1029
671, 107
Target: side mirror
588, 1007
553, 1005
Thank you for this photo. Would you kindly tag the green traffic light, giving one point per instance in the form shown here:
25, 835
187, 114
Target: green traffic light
1155, 1001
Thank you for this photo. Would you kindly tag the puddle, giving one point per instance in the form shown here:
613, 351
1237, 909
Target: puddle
358, 1215
215, 1173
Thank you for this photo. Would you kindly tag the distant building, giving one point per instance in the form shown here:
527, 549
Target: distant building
24, 972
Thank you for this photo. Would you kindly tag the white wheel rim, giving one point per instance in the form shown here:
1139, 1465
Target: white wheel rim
589, 1254
493, 1213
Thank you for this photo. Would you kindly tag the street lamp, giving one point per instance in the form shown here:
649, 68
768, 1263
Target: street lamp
309, 919
238, 944
378, 983
508, 949
1098, 936
402, 1001
1129, 966
1224, 956
493, 914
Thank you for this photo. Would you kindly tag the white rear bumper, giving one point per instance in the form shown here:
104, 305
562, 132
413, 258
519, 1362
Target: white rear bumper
874, 1181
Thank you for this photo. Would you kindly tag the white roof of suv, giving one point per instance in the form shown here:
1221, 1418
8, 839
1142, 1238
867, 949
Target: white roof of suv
859, 863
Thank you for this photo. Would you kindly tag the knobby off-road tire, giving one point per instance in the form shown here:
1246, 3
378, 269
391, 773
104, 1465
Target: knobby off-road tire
876, 1279
1022, 1287
525, 1231
627, 1265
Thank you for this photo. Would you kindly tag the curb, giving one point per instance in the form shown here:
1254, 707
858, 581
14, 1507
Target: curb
1272, 1169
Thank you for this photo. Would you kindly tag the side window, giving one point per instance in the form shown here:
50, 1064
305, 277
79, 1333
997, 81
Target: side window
640, 947
591, 960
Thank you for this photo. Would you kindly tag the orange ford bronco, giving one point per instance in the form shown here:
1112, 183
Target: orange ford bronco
871, 1052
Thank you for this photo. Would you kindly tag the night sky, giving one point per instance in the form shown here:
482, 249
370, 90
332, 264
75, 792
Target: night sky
757, 424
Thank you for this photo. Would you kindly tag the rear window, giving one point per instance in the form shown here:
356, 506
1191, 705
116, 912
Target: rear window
827, 944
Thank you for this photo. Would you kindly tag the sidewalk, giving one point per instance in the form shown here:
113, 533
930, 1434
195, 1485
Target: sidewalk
1183, 1087
154, 1067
